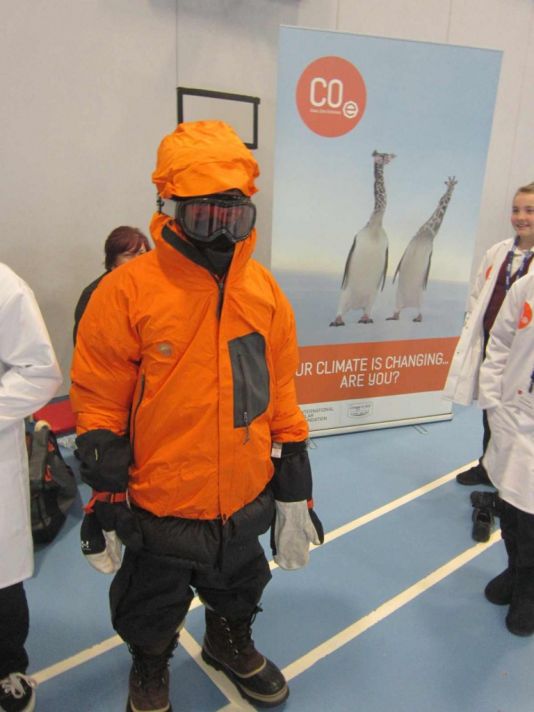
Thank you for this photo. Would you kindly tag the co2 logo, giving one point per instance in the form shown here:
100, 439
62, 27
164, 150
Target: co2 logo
331, 96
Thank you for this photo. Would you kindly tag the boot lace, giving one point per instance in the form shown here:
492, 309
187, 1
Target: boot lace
151, 669
240, 633
12, 684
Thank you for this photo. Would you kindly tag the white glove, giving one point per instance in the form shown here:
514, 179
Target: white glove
102, 549
295, 527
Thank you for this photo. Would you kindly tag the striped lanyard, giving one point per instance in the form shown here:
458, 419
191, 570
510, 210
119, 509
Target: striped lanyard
522, 267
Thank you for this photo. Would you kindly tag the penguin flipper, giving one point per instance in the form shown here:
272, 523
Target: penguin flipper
425, 282
398, 269
347, 265
385, 270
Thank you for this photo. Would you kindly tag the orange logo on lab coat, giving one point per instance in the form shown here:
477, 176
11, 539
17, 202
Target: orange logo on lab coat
526, 316
488, 271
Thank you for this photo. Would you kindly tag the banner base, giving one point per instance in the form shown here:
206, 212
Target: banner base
376, 426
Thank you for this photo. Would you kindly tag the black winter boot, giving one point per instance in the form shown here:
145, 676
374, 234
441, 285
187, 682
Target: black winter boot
520, 618
228, 646
500, 589
149, 677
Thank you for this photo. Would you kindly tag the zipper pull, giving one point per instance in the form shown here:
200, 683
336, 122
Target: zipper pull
220, 286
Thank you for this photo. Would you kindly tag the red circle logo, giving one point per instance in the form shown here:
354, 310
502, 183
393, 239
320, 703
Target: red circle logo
526, 316
331, 96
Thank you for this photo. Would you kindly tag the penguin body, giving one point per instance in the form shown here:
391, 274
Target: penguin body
365, 270
412, 271
414, 266
367, 261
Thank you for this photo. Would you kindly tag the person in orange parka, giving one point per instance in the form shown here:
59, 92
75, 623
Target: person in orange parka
188, 426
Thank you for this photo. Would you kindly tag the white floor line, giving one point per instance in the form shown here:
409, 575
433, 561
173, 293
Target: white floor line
389, 507
94, 651
78, 659
386, 609
220, 680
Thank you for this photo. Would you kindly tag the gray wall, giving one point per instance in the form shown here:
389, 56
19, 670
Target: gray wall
88, 91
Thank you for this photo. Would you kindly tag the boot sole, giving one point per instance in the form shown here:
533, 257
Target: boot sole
498, 601
254, 697
500, 589
129, 707
469, 479
521, 632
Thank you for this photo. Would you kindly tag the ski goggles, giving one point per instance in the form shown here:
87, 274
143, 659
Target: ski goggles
208, 217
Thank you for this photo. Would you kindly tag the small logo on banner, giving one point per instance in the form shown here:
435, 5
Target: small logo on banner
526, 316
360, 410
331, 96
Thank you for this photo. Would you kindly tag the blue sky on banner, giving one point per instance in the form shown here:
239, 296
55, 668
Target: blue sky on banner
430, 104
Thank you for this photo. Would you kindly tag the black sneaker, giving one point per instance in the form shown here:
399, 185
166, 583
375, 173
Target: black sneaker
475, 475
16, 693
482, 523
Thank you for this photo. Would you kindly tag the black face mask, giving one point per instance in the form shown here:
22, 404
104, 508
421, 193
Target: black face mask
219, 253
220, 244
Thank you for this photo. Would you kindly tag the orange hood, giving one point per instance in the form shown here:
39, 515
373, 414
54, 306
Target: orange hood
204, 157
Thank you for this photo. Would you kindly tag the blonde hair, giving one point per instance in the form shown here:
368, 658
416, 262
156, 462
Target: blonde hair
529, 188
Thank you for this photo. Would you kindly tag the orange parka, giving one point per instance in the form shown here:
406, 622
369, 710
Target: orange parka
199, 372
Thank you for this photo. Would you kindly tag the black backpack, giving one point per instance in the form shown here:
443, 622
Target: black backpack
52, 483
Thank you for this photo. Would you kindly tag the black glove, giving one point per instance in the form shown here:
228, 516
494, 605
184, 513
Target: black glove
105, 460
296, 525
108, 523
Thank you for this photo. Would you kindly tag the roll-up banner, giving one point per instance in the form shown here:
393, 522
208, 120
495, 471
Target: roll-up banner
381, 149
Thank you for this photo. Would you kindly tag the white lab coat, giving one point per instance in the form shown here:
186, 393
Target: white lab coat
462, 381
504, 385
29, 377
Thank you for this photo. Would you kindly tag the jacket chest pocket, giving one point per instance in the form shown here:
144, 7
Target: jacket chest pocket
251, 378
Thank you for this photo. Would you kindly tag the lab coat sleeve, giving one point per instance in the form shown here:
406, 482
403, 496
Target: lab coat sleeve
31, 374
501, 338
478, 285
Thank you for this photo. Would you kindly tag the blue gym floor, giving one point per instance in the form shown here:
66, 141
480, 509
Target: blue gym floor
389, 615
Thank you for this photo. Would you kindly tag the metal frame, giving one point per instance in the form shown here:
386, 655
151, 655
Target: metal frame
254, 100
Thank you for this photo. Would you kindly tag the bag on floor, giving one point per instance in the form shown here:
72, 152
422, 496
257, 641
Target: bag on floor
52, 483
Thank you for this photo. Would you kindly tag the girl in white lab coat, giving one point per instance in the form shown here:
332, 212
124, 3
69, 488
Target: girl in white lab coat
506, 391
29, 377
502, 265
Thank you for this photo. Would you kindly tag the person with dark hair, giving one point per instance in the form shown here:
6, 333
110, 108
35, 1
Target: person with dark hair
29, 377
122, 244
188, 426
